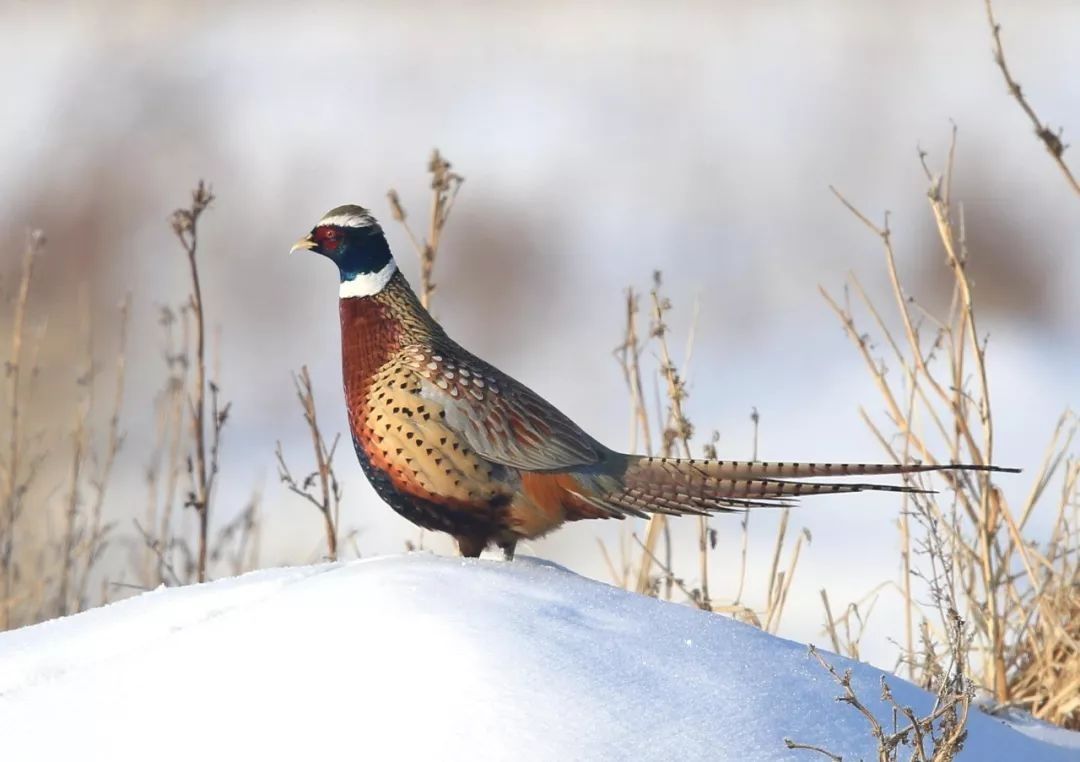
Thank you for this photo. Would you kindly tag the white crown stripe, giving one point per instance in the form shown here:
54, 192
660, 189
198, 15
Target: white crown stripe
349, 221
367, 284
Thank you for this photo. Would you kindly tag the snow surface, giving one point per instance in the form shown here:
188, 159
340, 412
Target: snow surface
422, 657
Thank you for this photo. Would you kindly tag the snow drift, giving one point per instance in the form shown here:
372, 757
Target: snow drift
421, 657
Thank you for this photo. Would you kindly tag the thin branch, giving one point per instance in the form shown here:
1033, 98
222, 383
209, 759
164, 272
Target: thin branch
445, 185
1050, 139
202, 463
328, 497
808, 747
95, 539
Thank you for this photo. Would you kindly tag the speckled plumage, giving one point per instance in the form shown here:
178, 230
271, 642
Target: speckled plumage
441, 434
455, 445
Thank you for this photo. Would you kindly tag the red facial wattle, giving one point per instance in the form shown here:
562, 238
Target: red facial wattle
328, 239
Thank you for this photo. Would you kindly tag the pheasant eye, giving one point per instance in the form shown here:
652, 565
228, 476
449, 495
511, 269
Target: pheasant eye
328, 238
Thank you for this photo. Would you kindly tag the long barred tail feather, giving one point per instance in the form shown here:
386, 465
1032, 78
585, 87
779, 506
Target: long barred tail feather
747, 469
679, 486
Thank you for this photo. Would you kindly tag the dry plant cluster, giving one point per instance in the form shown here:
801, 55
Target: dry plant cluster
991, 601
56, 534
52, 575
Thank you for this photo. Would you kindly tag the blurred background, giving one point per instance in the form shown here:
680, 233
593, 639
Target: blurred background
599, 142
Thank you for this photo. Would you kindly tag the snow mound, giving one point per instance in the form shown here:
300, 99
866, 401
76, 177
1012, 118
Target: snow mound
421, 657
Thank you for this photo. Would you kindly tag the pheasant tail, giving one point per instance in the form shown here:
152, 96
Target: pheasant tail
681, 486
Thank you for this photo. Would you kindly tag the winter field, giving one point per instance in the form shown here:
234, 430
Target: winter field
828, 232
424, 657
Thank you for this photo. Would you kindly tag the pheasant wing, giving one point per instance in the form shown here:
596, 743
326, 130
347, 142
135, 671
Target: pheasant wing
500, 418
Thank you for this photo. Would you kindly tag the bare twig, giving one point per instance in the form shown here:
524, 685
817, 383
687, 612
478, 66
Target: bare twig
943, 727
830, 622
327, 500
155, 547
1052, 140
693, 595
809, 747
96, 533
84, 381
163, 471
445, 185
629, 356
238, 539
852, 699
203, 461
675, 437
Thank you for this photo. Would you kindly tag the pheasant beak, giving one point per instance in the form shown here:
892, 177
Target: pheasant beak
306, 243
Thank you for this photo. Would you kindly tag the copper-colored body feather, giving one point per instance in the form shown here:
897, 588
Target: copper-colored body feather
455, 445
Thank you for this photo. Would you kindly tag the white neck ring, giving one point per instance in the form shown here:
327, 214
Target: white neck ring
367, 284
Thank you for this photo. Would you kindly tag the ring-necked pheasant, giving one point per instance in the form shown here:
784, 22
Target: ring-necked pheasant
455, 445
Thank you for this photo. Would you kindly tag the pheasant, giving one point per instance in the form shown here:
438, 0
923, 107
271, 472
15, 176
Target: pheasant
455, 445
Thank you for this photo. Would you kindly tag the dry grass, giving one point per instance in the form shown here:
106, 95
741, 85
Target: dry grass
53, 532
646, 564
160, 551
85, 530
21, 460
978, 553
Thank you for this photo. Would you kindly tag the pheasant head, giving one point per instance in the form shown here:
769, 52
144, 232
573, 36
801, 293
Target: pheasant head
351, 238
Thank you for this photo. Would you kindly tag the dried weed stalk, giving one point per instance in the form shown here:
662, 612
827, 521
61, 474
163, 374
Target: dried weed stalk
445, 185
202, 463
936, 737
320, 487
646, 565
1052, 140
47, 566
53, 565
20, 460
189, 418
164, 470
979, 556
85, 530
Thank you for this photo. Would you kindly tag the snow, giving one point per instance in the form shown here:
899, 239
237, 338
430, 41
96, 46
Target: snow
1044, 731
422, 657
